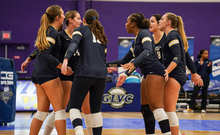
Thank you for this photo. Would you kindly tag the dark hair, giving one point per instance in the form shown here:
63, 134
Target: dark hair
158, 17
92, 19
140, 20
68, 15
177, 22
200, 53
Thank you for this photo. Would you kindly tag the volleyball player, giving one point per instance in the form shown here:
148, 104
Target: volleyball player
145, 57
45, 74
174, 50
91, 71
72, 21
159, 39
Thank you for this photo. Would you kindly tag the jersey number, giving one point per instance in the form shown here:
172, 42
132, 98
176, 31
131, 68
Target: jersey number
94, 39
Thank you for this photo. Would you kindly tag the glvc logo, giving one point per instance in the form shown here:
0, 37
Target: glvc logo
117, 97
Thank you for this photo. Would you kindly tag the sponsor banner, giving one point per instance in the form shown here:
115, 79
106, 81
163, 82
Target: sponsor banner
8, 78
26, 98
125, 44
215, 57
190, 51
214, 85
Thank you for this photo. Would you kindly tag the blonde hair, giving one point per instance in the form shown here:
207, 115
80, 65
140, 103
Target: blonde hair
177, 22
48, 17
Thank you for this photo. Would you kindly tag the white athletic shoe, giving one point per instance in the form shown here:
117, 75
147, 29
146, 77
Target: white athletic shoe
203, 111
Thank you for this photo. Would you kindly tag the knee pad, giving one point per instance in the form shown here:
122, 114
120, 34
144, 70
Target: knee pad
147, 113
40, 115
173, 119
87, 119
60, 115
160, 114
97, 120
51, 120
74, 114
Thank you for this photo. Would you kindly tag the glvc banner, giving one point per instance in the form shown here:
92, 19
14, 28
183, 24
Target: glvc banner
125, 98
215, 57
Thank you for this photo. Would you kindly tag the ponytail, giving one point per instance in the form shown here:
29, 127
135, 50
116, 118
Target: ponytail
177, 22
41, 42
140, 20
92, 19
182, 33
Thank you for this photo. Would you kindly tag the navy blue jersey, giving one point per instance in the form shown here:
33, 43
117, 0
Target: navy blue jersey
65, 40
48, 59
203, 70
173, 50
159, 46
159, 51
92, 60
143, 52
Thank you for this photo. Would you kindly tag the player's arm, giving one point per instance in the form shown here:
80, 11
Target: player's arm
51, 38
174, 46
190, 63
77, 36
147, 46
127, 58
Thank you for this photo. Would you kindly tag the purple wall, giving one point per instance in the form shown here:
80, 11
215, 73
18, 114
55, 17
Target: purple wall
23, 19
201, 20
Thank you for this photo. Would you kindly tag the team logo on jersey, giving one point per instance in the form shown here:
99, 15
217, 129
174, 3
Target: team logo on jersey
125, 43
117, 97
216, 42
6, 94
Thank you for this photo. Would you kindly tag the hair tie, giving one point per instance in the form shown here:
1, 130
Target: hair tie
93, 18
46, 14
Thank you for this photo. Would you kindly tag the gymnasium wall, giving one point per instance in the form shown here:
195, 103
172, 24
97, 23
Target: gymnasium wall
201, 18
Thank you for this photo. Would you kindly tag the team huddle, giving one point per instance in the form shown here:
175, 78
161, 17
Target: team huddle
71, 68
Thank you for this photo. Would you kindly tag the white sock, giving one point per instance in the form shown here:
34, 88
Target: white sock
50, 124
88, 122
79, 130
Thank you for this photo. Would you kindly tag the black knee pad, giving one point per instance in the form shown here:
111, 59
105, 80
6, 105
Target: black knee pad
147, 113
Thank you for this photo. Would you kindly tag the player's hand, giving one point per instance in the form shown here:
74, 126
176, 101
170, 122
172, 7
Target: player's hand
166, 75
196, 79
210, 63
121, 80
129, 66
69, 71
64, 67
111, 69
201, 61
25, 63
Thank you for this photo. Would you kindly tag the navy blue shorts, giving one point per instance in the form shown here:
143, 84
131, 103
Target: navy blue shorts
181, 81
42, 80
66, 77
156, 69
